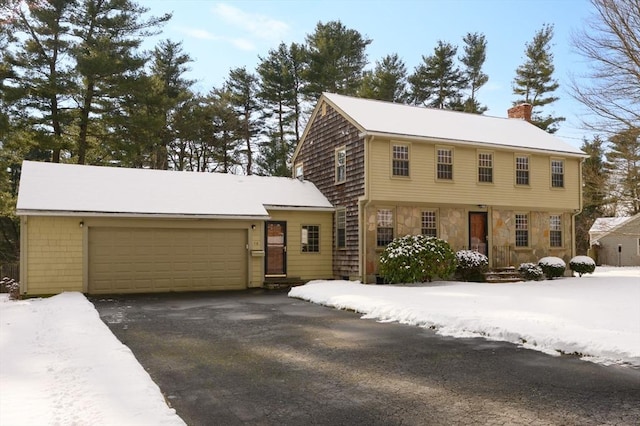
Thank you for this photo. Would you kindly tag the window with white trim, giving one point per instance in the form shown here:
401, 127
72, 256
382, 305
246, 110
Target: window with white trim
444, 163
522, 230
299, 171
341, 164
522, 170
485, 167
557, 173
429, 223
384, 228
555, 230
341, 228
400, 161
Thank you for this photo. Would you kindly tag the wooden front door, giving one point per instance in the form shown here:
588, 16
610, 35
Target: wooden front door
478, 232
276, 244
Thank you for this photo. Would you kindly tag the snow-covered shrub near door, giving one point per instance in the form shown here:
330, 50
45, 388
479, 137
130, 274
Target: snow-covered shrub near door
582, 265
531, 271
471, 265
552, 266
416, 258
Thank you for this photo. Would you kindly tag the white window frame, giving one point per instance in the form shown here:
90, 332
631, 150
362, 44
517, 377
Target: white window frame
341, 165
517, 165
449, 157
404, 163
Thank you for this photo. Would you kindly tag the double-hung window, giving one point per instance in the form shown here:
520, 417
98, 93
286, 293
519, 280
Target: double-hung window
400, 161
485, 167
310, 238
557, 173
384, 229
555, 230
522, 230
429, 227
341, 228
444, 163
522, 170
341, 164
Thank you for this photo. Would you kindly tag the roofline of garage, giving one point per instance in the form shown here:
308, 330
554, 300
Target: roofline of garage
136, 215
300, 208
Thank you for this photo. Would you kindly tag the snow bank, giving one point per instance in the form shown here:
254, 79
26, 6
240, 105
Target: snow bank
60, 364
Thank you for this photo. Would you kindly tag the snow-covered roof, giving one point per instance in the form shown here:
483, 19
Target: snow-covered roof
378, 117
606, 224
75, 189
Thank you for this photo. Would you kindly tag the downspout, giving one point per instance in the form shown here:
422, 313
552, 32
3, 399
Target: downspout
576, 213
23, 275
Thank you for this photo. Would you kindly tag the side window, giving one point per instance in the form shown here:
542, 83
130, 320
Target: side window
485, 167
444, 163
341, 164
400, 161
557, 173
299, 171
522, 170
522, 230
429, 227
555, 230
384, 229
310, 238
341, 228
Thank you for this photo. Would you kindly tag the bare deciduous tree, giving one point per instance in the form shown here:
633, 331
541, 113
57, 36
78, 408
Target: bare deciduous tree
611, 44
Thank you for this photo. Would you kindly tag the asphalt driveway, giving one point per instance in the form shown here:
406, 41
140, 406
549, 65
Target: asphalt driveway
260, 358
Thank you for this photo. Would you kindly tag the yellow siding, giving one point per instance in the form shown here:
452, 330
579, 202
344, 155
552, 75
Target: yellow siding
307, 265
54, 255
422, 185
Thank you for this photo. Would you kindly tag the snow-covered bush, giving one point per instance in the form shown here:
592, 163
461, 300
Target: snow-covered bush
416, 258
12, 286
471, 265
552, 266
582, 265
531, 271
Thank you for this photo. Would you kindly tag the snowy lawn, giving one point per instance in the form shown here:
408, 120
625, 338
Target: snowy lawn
596, 316
60, 364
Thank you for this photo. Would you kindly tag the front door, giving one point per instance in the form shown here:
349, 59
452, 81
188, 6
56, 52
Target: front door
276, 244
478, 232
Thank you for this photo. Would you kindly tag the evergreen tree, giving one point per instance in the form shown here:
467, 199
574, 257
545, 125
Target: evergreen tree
534, 82
594, 191
335, 60
623, 163
278, 96
475, 53
387, 81
243, 90
438, 82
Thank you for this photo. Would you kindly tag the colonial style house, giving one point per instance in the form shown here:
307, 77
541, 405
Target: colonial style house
616, 240
500, 186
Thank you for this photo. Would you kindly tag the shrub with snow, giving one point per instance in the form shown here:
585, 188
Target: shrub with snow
531, 271
552, 266
12, 286
582, 265
471, 265
416, 258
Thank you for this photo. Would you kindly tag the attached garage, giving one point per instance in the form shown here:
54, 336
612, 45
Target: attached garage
143, 260
109, 230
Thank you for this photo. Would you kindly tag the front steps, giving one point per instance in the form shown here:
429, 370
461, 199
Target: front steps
508, 274
282, 283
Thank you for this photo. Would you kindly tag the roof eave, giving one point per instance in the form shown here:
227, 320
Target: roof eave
65, 213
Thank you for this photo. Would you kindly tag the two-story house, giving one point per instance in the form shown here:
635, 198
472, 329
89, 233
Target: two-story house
500, 186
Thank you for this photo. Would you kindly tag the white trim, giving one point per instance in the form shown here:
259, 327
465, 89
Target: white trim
27, 213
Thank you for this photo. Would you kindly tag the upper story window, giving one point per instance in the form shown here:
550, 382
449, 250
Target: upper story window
429, 227
485, 167
341, 228
555, 230
557, 173
310, 238
522, 170
444, 163
341, 164
299, 171
522, 230
400, 161
384, 229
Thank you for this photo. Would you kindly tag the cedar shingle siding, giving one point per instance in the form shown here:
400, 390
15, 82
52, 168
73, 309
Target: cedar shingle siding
326, 133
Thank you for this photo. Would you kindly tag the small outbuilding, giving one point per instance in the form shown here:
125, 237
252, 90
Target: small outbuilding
615, 241
104, 230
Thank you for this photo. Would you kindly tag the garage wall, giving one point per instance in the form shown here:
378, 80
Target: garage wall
307, 266
53, 248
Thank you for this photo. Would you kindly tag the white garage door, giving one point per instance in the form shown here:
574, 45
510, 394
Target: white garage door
141, 260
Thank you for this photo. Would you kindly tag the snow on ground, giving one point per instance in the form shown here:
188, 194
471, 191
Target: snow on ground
596, 316
60, 364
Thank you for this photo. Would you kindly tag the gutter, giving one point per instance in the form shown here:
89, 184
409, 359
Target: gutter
61, 213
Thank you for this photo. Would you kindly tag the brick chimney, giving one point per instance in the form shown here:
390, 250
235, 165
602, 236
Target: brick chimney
522, 111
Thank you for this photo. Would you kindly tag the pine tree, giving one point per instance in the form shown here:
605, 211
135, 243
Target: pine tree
623, 163
475, 53
335, 60
243, 90
387, 81
534, 82
438, 82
